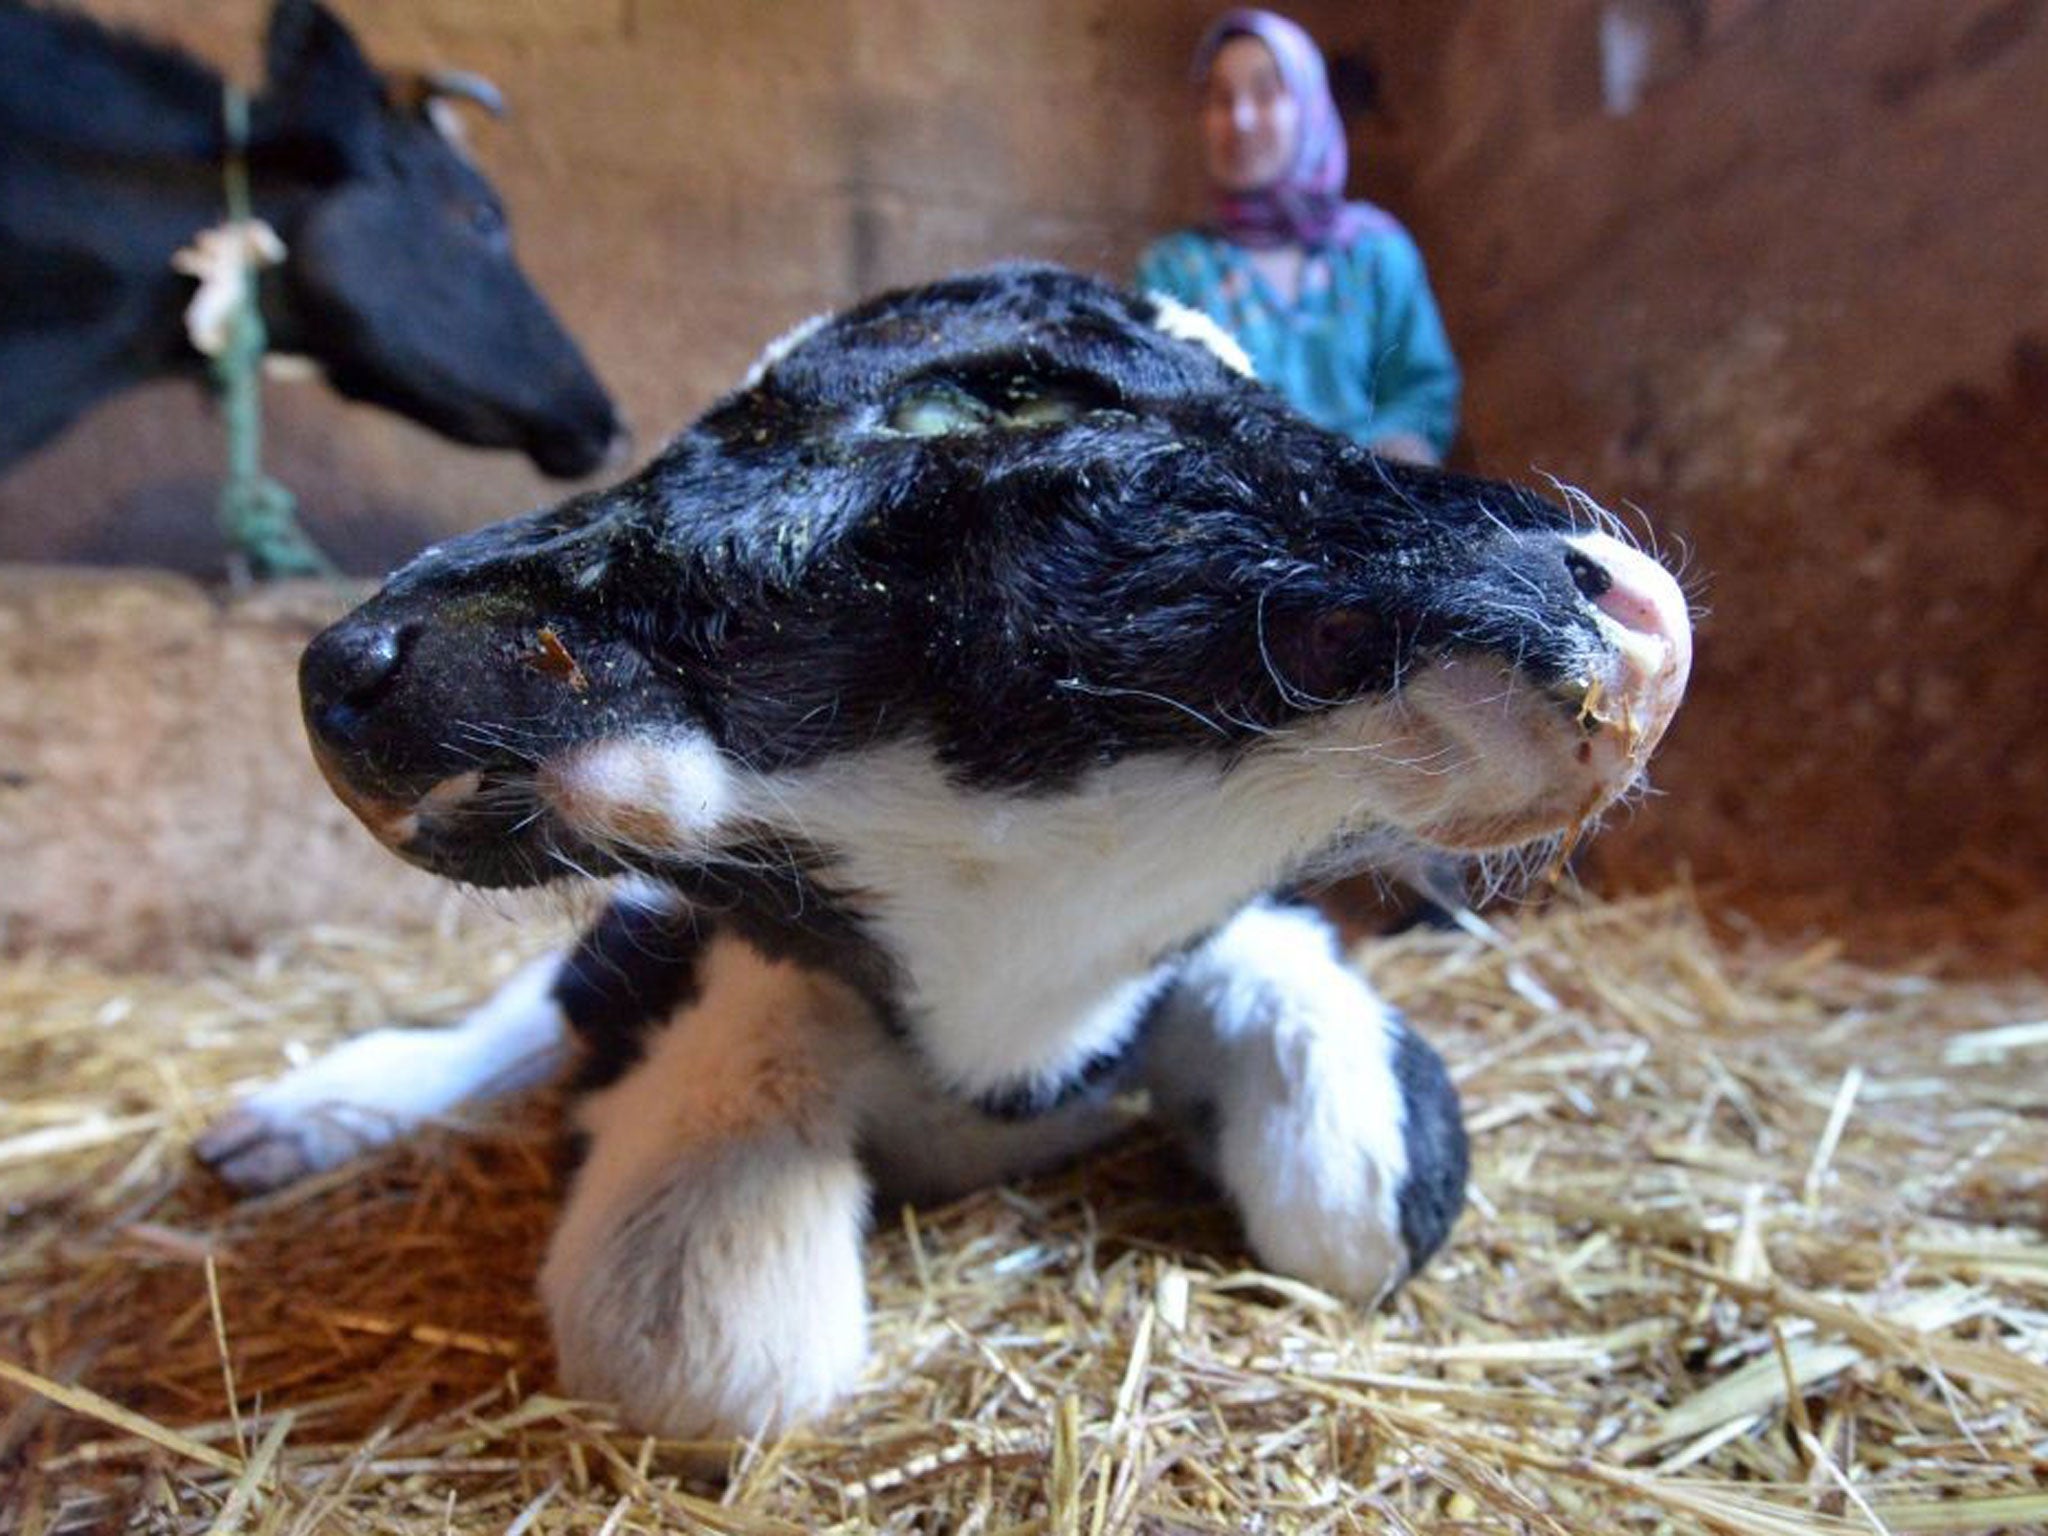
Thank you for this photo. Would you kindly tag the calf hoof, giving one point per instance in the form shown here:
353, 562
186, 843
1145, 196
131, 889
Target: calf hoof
253, 1152
366, 1092
1349, 1252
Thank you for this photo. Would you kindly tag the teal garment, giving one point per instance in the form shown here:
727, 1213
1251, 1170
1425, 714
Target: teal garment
1362, 351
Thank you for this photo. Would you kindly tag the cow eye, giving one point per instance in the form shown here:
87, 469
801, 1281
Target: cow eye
1044, 410
935, 409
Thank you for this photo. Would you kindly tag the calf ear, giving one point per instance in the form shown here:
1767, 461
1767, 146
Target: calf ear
319, 85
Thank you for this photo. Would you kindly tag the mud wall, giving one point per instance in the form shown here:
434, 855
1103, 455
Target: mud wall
157, 801
1777, 273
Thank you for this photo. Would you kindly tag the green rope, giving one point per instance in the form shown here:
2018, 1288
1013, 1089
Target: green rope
258, 516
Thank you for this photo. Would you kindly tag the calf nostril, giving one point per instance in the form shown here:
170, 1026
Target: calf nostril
1588, 575
355, 664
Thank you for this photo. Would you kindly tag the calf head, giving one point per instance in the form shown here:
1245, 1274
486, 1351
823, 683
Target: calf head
1017, 521
401, 279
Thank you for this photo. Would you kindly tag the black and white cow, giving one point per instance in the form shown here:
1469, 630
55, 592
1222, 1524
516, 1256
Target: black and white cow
958, 701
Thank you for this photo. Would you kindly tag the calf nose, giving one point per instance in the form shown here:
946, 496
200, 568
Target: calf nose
348, 667
1652, 630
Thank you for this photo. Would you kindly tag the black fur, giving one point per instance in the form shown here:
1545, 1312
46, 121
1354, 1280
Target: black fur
1007, 525
1433, 1194
628, 974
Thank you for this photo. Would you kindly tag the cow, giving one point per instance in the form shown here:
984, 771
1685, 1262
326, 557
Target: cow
398, 280
962, 702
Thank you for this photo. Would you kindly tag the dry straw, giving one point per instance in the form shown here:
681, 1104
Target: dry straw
1757, 1246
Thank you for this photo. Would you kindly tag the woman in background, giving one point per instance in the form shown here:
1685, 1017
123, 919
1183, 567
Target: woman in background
1327, 297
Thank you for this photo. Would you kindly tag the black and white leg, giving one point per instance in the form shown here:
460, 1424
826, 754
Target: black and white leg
1334, 1129
706, 1273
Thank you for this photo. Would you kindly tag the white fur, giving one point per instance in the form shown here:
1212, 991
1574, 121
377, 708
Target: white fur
706, 1271
1106, 879
672, 791
706, 1274
1275, 1060
781, 347
379, 1086
1112, 875
1186, 324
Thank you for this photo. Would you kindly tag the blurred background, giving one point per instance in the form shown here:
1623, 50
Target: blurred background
1773, 271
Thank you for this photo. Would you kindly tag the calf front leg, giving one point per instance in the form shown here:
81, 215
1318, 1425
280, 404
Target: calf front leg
376, 1087
626, 970
1334, 1129
706, 1273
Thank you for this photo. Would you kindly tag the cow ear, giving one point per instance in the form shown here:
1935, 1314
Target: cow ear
319, 84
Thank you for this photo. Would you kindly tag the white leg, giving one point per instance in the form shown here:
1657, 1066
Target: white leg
706, 1274
378, 1086
1335, 1131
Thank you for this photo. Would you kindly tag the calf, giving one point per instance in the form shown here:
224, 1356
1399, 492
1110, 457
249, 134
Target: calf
960, 701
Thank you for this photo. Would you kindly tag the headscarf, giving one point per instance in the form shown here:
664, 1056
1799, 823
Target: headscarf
1306, 205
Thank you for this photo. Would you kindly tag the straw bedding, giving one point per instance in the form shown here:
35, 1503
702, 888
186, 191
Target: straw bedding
1757, 1246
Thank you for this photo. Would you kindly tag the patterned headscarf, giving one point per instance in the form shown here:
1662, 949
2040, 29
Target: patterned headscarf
1306, 205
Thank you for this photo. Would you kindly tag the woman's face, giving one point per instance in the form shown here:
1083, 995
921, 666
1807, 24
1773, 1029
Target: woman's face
1250, 123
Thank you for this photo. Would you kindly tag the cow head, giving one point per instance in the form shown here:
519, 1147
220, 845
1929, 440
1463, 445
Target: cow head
1012, 522
401, 280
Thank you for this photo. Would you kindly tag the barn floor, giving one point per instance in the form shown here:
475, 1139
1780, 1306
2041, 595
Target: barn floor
1760, 1244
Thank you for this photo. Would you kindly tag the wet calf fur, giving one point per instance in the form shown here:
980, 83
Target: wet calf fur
956, 704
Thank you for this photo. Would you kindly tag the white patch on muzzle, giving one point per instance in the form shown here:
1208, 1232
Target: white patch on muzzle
669, 794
